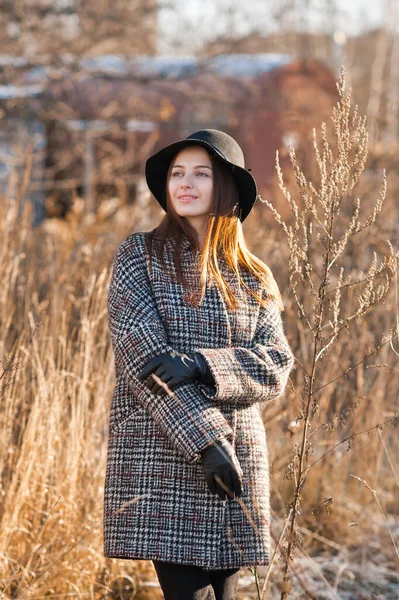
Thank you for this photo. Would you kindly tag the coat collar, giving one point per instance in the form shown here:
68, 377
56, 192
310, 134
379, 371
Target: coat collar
185, 244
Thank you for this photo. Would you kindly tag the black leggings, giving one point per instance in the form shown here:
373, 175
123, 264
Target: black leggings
188, 582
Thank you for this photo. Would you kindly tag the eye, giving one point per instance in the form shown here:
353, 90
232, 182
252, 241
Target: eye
176, 173
202, 173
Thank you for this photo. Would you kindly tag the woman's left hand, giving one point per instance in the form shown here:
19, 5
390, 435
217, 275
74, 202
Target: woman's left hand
172, 368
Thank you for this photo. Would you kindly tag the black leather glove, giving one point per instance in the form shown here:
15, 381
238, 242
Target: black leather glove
220, 461
205, 375
173, 369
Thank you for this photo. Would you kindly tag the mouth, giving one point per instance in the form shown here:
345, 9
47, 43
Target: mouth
185, 199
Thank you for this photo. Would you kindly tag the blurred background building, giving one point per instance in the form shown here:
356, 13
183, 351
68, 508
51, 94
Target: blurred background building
89, 89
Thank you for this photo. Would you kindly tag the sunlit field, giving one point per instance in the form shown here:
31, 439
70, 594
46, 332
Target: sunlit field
57, 378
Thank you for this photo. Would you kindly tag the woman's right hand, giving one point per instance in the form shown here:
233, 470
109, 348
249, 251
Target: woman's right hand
221, 466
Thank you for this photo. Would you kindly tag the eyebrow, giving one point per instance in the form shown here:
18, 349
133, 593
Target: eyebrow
196, 167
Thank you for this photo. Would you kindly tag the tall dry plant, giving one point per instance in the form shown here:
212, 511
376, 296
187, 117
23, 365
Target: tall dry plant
331, 299
58, 380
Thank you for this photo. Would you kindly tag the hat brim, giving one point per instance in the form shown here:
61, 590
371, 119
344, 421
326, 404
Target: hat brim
156, 170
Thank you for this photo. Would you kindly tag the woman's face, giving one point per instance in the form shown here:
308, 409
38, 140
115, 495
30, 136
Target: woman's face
190, 185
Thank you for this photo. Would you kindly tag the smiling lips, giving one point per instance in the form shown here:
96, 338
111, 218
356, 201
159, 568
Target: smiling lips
186, 199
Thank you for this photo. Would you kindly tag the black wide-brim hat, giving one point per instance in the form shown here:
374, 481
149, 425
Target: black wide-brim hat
218, 144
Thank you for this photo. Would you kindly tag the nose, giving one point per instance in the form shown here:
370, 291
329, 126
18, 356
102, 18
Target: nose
186, 181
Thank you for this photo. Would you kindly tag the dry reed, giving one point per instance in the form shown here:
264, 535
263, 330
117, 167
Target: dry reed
334, 290
57, 377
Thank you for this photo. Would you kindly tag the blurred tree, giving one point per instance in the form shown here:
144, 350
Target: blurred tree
303, 28
311, 29
77, 27
392, 115
384, 80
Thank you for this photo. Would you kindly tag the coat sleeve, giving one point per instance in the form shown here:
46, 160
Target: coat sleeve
259, 373
187, 418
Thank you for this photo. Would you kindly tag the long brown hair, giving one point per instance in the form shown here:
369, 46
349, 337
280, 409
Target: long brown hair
224, 238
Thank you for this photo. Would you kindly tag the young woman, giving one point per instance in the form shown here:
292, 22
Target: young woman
199, 346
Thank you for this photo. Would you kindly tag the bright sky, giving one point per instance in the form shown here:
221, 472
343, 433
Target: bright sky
189, 22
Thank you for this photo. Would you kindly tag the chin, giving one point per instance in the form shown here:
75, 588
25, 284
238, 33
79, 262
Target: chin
189, 213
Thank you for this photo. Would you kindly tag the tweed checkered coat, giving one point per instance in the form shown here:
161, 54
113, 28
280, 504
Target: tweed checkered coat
157, 504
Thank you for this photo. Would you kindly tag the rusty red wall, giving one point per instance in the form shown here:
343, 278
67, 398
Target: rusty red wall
263, 114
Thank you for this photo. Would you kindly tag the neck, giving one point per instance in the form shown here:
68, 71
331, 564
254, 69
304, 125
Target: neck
200, 226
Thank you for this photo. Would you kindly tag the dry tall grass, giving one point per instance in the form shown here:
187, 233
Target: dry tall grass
57, 381
56, 387
336, 289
